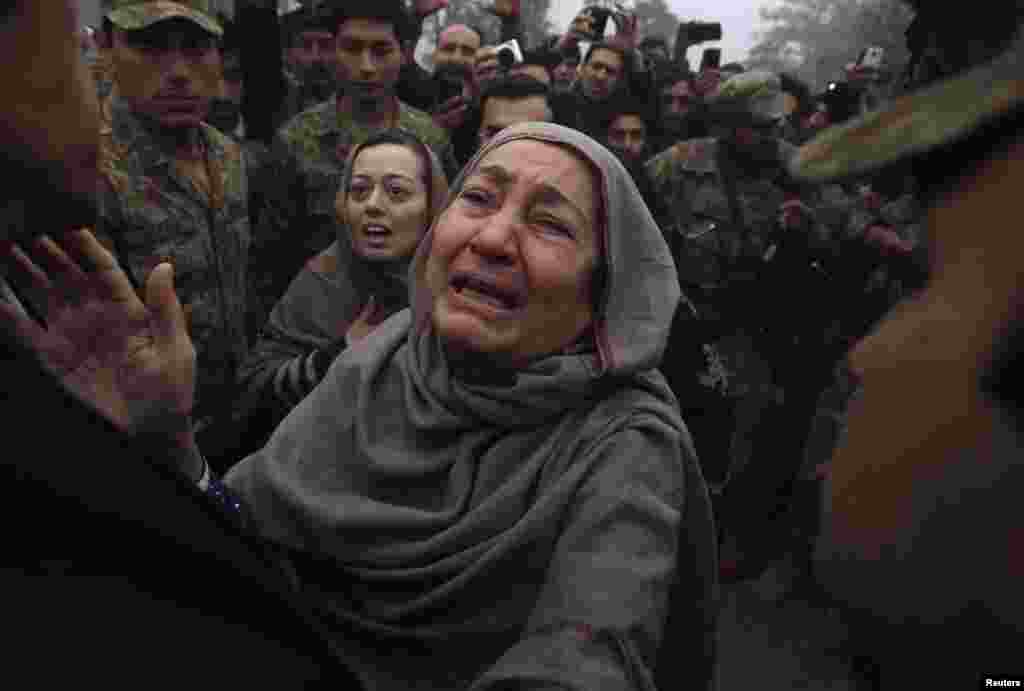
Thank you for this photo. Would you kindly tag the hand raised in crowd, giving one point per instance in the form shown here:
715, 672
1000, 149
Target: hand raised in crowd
452, 114
425, 8
708, 81
627, 30
505, 8
887, 241
132, 361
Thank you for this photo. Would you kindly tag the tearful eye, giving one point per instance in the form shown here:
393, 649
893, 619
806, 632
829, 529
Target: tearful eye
557, 227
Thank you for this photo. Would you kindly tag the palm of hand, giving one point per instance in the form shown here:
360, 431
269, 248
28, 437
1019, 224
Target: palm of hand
133, 363
104, 353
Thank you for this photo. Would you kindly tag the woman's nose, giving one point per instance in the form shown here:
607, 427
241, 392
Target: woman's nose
496, 241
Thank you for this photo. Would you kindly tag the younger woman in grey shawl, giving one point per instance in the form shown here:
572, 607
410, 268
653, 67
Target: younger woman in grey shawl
344, 290
492, 488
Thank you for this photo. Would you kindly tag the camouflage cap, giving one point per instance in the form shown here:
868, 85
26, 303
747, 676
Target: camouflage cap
916, 123
131, 15
753, 98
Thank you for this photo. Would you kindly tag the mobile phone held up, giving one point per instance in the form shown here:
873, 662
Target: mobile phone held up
711, 59
693, 34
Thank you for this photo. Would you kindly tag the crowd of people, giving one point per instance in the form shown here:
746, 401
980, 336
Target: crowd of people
491, 375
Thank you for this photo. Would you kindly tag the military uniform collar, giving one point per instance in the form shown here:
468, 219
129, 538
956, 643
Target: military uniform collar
334, 121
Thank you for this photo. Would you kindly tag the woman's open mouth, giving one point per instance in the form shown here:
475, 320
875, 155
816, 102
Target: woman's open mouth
487, 291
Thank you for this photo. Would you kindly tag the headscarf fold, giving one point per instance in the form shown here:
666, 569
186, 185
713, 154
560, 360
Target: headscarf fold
438, 501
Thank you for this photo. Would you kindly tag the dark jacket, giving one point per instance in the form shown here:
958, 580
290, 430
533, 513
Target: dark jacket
121, 571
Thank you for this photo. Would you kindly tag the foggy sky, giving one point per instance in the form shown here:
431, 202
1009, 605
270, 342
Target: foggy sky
739, 20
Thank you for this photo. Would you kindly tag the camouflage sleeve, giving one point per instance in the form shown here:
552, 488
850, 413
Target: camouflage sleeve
660, 168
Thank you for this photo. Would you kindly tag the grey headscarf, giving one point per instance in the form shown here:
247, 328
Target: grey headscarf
487, 532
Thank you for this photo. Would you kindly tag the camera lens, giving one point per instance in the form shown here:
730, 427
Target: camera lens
506, 58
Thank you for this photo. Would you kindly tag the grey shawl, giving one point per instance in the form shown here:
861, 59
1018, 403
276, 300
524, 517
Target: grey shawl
472, 534
304, 331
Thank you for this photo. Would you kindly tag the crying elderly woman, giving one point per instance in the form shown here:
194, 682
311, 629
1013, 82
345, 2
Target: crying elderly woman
494, 488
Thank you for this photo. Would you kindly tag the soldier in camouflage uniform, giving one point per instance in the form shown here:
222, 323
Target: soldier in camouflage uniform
175, 188
749, 248
311, 149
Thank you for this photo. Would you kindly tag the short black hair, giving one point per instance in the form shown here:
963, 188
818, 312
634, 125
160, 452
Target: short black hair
516, 87
391, 12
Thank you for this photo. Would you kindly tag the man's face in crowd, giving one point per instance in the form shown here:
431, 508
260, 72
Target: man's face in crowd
457, 45
499, 113
369, 59
676, 103
487, 67
601, 74
564, 74
168, 72
584, 25
49, 121
312, 48
627, 136
538, 72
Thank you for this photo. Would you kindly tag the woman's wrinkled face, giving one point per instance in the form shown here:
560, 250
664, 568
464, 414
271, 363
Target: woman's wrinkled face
386, 202
513, 256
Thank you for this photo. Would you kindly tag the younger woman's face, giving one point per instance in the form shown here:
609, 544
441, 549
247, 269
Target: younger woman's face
386, 204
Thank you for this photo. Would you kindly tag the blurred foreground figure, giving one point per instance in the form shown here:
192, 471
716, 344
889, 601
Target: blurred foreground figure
922, 527
104, 542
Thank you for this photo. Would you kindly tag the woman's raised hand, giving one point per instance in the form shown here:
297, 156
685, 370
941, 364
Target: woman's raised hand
132, 361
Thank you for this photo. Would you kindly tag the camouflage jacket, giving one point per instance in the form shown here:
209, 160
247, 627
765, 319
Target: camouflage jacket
297, 220
151, 211
707, 236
